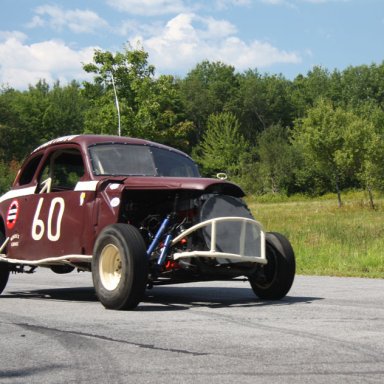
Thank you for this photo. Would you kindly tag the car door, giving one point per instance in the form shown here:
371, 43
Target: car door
54, 217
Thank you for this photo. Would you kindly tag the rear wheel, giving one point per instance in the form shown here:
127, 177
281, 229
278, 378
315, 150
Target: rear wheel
4, 267
276, 278
62, 269
120, 267
4, 275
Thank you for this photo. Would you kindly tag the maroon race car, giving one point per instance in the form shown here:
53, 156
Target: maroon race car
136, 214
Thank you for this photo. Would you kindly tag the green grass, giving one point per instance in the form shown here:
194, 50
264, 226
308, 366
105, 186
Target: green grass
346, 241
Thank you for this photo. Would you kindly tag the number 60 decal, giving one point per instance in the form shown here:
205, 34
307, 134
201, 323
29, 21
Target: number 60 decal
38, 226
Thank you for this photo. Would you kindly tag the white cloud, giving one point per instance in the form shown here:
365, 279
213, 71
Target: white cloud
148, 7
17, 35
225, 4
78, 21
51, 60
181, 44
217, 28
134, 27
176, 47
274, 2
164, 7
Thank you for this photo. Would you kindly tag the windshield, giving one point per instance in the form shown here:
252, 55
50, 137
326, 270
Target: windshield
120, 159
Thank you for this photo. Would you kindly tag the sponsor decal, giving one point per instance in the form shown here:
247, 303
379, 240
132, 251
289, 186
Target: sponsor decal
12, 214
63, 139
15, 240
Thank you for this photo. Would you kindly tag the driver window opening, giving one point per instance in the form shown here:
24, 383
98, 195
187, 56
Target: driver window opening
61, 172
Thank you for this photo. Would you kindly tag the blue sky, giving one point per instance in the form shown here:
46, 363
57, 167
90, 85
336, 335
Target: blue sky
51, 38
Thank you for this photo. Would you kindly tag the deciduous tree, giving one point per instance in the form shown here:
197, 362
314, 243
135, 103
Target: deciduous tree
331, 140
149, 106
223, 148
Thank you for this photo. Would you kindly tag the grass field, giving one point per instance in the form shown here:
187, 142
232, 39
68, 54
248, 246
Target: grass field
346, 241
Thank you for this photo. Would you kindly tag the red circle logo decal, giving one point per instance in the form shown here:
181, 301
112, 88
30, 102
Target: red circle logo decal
13, 212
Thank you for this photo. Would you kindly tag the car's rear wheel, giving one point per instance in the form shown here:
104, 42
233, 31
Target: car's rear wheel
276, 278
120, 267
4, 275
4, 267
62, 269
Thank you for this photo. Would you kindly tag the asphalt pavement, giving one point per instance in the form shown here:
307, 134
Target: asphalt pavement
327, 330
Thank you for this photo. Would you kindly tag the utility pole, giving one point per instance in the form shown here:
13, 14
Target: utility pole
117, 104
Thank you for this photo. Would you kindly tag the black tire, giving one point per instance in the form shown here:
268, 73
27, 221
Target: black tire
62, 269
4, 268
120, 267
279, 273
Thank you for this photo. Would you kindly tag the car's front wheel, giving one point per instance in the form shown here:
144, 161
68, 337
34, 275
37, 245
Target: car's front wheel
275, 279
120, 267
4, 267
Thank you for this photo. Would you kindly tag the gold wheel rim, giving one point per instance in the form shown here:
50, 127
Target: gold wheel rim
110, 267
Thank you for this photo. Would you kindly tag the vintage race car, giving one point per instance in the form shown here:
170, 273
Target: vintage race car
136, 214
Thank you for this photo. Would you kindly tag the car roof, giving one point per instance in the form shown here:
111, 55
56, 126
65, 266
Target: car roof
87, 140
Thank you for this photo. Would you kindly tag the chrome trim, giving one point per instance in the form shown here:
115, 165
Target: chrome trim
49, 260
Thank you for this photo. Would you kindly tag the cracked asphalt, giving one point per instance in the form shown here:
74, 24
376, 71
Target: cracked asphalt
327, 330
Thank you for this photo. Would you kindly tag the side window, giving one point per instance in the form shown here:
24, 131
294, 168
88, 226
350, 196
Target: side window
63, 169
29, 170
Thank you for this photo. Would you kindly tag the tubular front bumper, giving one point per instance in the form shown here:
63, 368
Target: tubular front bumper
257, 246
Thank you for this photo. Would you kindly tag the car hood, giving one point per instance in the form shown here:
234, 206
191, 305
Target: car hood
180, 183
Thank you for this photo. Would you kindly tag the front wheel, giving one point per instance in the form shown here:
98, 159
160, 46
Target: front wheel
275, 279
120, 267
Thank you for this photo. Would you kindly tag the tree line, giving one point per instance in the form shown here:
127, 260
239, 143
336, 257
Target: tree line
320, 132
